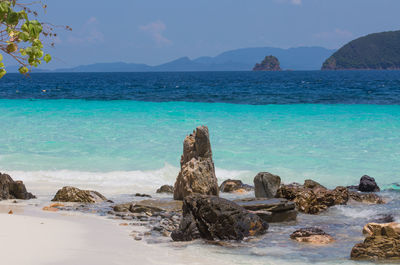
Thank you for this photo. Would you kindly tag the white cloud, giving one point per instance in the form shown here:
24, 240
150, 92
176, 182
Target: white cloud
155, 30
89, 33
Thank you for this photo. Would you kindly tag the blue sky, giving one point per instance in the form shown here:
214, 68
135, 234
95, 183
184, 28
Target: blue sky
156, 31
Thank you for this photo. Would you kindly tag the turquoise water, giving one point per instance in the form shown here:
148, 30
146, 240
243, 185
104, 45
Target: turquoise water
121, 142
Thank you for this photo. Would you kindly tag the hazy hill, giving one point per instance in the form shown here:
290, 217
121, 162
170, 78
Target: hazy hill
378, 51
302, 58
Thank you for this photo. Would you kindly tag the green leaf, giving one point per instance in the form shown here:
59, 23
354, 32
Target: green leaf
2, 72
47, 58
1, 57
23, 70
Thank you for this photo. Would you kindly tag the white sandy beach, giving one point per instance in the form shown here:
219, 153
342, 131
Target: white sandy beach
31, 236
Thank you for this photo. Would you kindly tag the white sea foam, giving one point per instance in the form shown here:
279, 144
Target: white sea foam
114, 182
357, 212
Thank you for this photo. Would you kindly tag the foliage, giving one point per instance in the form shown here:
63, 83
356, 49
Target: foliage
22, 37
374, 51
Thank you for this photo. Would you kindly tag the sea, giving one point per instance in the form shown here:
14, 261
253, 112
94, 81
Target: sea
122, 133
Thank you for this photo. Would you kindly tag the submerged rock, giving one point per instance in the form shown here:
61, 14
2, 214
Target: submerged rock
382, 243
166, 189
233, 185
142, 195
197, 174
72, 194
217, 219
266, 185
312, 235
10, 189
368, 184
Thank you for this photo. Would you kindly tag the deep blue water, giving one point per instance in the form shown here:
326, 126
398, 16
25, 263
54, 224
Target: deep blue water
255, 88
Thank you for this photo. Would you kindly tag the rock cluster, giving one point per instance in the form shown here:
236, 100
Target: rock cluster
214, 218
233, 185
10, 189
266, 185
313, 198
197, 174
160, 216
382, 242
72, 194
312, 235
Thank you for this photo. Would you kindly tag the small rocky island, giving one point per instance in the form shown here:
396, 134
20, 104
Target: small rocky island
270, 63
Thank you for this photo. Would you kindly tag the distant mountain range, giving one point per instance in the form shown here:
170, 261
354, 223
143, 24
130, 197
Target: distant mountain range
301, 58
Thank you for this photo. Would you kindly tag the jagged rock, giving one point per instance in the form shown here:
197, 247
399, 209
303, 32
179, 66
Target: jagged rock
266, 185
369, 198
10, 189
382, 243
166, 189
217, 219
368, 184
72, 194
197, 174
312, 235
232, 185
313, 198
187, 230
388, 229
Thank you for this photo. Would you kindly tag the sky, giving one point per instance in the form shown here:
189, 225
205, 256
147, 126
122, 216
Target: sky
157, 31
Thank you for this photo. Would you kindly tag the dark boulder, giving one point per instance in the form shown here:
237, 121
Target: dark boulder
368, 184
266, 185
270, 210
166, 189
10, 189
272, 205
217, 219
233, 185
